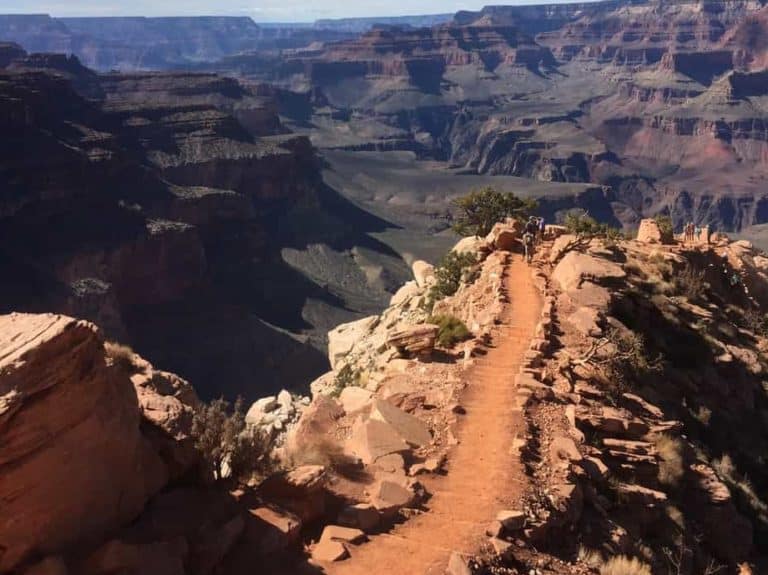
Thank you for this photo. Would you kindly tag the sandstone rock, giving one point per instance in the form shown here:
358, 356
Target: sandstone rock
707, 481
650, 232
410, 428
168, 403
272, 529
563, 451
500, 547
354, 399
301, 491
75, 463
259, 408
639, 495
418, 339
640, 403
315, 425
342, 339
561, 246
471, 244
511, 520
613, 421
458, 565
344, 534
363, 516
116, 556
284, 399
424, 273
586, 320
505, 235
390, 496
407, 291
576, 268
392, 463
372, 439
328, 551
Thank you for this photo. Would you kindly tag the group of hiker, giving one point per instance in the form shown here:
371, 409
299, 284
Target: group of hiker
691, 233
533, 231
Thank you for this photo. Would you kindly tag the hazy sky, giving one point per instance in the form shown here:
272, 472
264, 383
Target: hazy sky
266, 10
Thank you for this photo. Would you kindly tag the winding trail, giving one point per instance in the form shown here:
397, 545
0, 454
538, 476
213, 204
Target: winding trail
483, 474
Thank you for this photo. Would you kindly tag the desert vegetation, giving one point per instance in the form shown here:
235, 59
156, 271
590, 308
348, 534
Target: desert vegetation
451, 330
480, 210
121, 355
583, 225
227, 445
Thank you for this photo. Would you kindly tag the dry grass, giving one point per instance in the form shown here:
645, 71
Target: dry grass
743, 487
672, 453
590, 557
121, 355
621, 565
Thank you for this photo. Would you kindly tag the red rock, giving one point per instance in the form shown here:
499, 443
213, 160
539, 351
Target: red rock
300, 491
511, 520
272, 529
75, 463
390, 496
49, 566
458, 565
344, 534
410, 428
328, 551
362, 516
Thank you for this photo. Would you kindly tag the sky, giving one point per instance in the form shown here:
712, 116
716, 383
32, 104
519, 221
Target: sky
259, 10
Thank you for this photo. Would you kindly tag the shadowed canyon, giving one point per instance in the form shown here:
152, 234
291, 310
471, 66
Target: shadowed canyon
194, 208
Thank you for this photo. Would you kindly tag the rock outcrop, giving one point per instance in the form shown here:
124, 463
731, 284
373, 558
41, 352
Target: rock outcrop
83, 447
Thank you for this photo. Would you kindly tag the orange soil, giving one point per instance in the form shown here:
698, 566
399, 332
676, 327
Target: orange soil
484, 476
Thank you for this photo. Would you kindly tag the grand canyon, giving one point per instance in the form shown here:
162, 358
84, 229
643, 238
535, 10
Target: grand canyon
194, 208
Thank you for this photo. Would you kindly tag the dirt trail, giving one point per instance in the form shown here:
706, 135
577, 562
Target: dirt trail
483, 476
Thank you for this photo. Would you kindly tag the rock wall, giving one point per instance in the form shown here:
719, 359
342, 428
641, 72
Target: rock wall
75, 458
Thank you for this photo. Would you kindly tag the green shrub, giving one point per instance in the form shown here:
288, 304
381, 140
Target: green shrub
347, 377
454, 268
583, 225
479, 211
452, 330
666, 227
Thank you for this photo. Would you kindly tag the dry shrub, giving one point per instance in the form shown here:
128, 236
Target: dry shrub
621, 565
741, 486
671, 468
590, 557
223, 439
690, 283
121, 355
328, 453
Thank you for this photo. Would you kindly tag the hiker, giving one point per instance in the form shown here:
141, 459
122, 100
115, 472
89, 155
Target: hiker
697, 234
542, 227
528, 239
532, 227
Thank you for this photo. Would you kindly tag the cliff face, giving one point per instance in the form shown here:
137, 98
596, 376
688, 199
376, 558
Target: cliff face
127, 43
583, 92
159, 206
77, 461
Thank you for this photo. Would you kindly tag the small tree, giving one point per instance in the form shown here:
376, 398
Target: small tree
221, 437
450, 272
666, 228
482, 209
451, 330
583, 225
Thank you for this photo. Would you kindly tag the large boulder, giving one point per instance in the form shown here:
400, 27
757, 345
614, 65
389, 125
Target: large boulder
75, 463
649, 232
417, 339
343, 338
424, 273
576, 268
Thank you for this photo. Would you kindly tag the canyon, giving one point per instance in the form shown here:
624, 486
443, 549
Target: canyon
257, 209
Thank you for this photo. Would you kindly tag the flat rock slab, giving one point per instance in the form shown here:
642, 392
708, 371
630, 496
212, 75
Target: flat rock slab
272, 529
390, 496
511, 520
328, 551
362, 516
373, 439
409, 428
344, 534
354, 399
